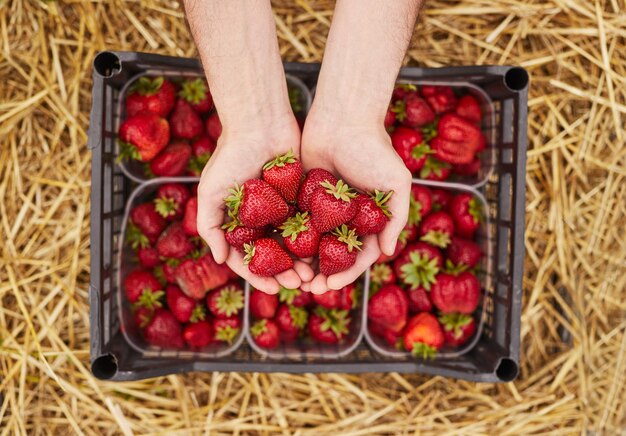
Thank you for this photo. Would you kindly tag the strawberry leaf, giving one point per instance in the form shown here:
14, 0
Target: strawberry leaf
381, 198
454, 322
233, 201
437, 238
135, 237
424, 351
348, 237
280, 161
150, 299
399, 108
475, 210
299, 316
127, 152
420, 271
433, 165
453, 269
226, 334
194, 91
258, 328
288, 295
249, 250
165, 206
421, 150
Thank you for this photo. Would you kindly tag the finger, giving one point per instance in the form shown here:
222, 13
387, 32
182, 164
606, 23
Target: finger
209, 220
217, 244
319, 285
306, 287
269, 285
289, 279
364, 260
304, 270
399, 208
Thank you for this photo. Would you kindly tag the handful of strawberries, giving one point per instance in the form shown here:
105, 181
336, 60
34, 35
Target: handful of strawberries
312, 215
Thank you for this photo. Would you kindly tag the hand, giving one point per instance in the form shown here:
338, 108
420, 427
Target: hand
362, 155
239, 156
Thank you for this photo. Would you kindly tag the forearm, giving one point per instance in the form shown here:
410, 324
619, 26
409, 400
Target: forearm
364, 52
239, 51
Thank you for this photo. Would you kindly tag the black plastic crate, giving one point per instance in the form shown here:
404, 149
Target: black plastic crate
495, 357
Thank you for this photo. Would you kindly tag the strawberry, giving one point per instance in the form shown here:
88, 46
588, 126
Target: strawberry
284, 173
469, 108
155, 95
143, 136
143, 289
238, 236
418, 265
440, 98
411, 147
256, 204
172, 161
393, 339
145, 225
437, 229
174, 243
291, 319
226, 300
373, 213
329, 326
468, 169
457, 328
294, 297
457, 140
420, 204
185, 122
434, 169
401, 243
338, 250
412, 232
389, 307
310, 184
190, 217
148, 257
171, 199
423, 336
197, 277
381, 274
464, 252
214, 126
419, 301
441, 199
142, 316
196, 93
459, 293
413, 111
198, 334
332, 205
163, 330
349, 297
330, 299
262, 305
266, 258
203, 149
451, 152
165, 272
299, 236
226, 329
184, 308
401, 90
466, 213
265, 333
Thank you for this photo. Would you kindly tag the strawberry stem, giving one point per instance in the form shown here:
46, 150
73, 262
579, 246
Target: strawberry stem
424, 351
230, 300
135, 237
147, 86
288, 295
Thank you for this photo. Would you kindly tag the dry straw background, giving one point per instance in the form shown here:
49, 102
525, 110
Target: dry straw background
575, 277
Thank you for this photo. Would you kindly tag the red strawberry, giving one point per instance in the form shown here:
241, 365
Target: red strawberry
203, 149
142, 316
464, 252
457, 140
468, 169
434, 169
155, 95
349, 297
174, 242
373, 213
413, 111
172, 161
294, 297
381, 274
171, 199
469, 108
419, 301
440, 98
148, 257
257, 204
190, 217
299, 236
165, 272
420, 204
466, 211
437, 229
329, 326
423, 336
185, 122
393, 339
390, 119
226, 329
163, 330
262, 305
310, 184
287, 337
266, 258
338, 250
441, 199
143, 136
389, 307
332, 206
284, 174
457, 328
411, 232
184, 308
238, 236
456, 293
265, 333
196, 93
330, 299
418, 265
198, 334
143, 289
291, 319
411, 147
145, 225
197, 277
451, 152
226, 300
213, 126
401, 90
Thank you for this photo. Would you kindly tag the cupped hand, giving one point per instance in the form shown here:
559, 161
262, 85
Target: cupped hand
239, 156
362, 155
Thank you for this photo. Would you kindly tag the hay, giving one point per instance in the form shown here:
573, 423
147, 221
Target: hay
576, 245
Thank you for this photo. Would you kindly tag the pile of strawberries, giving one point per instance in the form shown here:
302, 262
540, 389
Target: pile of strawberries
436, 132
294, 314
312, 215
179, 295
425, 295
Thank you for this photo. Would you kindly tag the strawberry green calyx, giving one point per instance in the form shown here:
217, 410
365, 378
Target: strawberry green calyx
437, 238
135, 237
249, 250
170, 261
433, 165
230, 300
380, 273
165, 206
194, 91
295, 225
381, 198
144, 320
226, 334
407, 86
455, 322
420, 271
197, 253
424, 351
429, 131
196, 163
348, 237
127, 152
399, 108
150, 299
286, 295
415, 212
475, 210
341, 191
198, 314
234, 222
281, 161
258, 328
233, 201
160, 274
299, 316
453, 269
403, 237
147, 86
335, 320
421, 150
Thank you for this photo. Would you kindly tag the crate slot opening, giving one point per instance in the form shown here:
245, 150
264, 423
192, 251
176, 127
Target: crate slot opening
507, 369
107, 64
104, 367
516, 79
